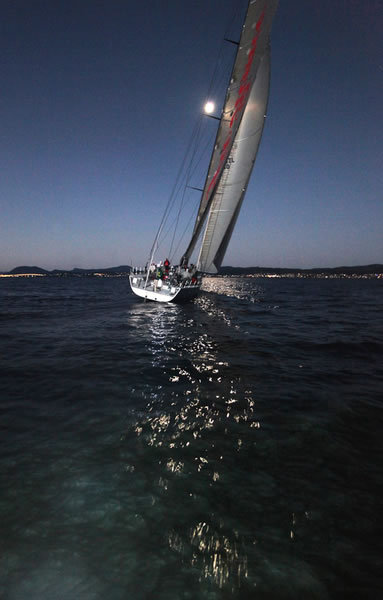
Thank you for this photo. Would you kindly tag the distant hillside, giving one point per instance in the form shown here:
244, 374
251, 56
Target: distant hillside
75, 271
120, 269
375, 268
19, 270
125, 269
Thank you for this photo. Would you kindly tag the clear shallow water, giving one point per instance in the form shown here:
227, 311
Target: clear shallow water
229, 448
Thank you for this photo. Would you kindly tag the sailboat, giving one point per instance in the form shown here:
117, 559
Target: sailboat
232, 160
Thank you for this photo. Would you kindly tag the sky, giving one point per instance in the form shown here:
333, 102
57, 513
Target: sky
98, 101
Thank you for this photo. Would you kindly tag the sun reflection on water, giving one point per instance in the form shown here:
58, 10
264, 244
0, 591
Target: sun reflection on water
234, 287
194, 448
216, 556
191, 437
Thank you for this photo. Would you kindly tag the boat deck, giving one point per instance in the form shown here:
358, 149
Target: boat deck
167, 292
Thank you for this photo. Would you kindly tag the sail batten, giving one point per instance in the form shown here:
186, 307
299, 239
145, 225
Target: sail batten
242, 91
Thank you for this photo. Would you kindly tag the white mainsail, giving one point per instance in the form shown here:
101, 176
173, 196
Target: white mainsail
238, 138
231, 189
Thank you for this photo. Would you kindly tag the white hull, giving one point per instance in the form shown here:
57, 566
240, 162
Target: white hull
175, 293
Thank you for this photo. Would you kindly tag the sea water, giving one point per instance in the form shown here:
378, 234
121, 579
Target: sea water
230, 448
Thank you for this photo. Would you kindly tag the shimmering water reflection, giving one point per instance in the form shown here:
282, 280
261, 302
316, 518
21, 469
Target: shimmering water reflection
219, 450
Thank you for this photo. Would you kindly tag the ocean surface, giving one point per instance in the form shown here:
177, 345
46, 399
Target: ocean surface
230, 448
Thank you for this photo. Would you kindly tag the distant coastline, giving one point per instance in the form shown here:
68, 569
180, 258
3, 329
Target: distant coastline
374, 271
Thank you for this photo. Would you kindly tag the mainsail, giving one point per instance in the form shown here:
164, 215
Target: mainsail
231, 189
237, 138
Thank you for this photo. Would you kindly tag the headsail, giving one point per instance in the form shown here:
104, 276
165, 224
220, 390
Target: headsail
253, 47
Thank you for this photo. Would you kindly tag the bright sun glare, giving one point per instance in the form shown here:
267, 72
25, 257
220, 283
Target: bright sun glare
209, 107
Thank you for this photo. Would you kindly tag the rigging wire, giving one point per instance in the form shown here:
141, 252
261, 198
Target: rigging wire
202, 154
172, 195
220, 74
193, 215
186, 183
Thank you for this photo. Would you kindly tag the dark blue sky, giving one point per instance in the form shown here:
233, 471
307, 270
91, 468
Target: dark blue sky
98, 102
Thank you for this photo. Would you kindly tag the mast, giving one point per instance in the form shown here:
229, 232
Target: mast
253, 46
